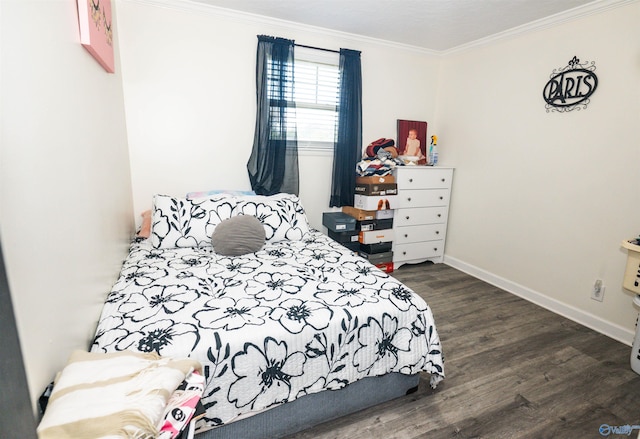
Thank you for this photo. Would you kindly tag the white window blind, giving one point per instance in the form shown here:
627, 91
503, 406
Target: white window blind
316, 93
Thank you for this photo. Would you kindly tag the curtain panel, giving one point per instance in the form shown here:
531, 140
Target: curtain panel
348, 145
273, 164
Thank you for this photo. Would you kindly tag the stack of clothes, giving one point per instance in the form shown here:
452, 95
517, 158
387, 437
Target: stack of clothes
380, 157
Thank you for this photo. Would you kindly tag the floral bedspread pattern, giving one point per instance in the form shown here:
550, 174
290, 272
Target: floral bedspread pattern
295, 318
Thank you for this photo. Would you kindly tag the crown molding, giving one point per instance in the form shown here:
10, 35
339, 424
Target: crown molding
245, 17
595, 7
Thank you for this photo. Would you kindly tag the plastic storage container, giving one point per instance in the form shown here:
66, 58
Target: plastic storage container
631, 282
632, 273
635, 349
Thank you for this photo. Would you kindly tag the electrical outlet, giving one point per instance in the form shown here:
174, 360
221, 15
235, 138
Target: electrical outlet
597, 293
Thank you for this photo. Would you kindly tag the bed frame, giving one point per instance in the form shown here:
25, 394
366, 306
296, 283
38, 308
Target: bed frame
310, 410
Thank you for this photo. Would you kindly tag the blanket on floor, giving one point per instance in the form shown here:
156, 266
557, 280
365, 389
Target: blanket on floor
113, 395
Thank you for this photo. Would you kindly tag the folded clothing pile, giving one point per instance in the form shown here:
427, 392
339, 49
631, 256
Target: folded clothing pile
376, 167
379, 159
120, 395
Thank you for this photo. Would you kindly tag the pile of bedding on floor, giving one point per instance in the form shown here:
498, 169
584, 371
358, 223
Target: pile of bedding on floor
124, 394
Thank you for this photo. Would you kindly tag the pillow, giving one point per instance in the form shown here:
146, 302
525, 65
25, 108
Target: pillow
179, 222
282, 215
191, 195
238, 236
182, 222
145, 227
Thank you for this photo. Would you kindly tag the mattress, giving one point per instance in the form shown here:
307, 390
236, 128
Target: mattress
295, 318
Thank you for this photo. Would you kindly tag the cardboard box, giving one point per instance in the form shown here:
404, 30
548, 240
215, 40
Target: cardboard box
353, 246
387, 267
338, 221
384, 214
375, 236
359, 214
377, 258
365, 226
376, 179
380, 247
381, 224
343, 237
377, 224
377, 189
370, 202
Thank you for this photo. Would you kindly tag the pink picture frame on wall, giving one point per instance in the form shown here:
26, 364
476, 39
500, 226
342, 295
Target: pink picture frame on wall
96, 31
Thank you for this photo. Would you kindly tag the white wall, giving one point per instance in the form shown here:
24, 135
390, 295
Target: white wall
542, 201
189, 84
65, 192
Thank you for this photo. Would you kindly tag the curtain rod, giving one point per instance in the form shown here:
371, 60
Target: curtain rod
317, 48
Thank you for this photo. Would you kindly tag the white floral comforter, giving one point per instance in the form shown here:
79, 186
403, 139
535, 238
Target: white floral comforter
298, 317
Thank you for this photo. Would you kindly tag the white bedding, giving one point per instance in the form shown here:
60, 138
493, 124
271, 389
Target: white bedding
295, 318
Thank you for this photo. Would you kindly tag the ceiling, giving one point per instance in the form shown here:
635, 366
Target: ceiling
437, 25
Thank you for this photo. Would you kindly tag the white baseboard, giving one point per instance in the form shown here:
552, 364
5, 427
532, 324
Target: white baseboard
589, 320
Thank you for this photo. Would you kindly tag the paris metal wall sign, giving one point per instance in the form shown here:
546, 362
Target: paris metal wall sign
571, 87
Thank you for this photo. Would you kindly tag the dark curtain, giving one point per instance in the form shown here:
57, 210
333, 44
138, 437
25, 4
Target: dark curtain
348, 145
273, 164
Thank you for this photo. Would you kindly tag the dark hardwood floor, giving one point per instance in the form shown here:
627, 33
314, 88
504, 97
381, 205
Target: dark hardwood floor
513, 370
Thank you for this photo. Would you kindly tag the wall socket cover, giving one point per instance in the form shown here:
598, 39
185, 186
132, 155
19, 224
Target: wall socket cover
597, 293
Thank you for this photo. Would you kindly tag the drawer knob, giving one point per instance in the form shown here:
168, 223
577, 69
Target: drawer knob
437, 232
406, 236
439, 215
407, 217
409, 199
435, 249
404, 253
442, 198
411, 180
443, 180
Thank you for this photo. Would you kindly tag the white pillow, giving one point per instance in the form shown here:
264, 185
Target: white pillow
282, 215
180, 222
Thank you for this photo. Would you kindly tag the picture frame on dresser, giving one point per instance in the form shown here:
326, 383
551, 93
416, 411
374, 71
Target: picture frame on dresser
405, 137
420, 221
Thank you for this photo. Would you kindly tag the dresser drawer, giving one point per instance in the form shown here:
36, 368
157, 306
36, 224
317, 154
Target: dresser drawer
418, 250
409, 178
423, 198
427, 232
420, 215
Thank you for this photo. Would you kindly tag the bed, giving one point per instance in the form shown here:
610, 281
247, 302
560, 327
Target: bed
301, 323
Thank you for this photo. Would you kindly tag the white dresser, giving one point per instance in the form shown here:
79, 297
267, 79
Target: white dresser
420, 222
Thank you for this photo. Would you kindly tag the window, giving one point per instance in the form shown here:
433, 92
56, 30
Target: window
317, 79
316, 94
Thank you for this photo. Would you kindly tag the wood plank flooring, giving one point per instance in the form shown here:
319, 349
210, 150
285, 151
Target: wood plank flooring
513, 370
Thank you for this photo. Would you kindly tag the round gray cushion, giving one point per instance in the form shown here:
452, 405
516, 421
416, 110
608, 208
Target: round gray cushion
238, 235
